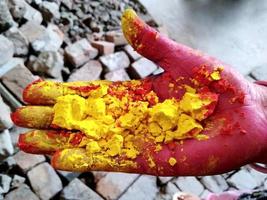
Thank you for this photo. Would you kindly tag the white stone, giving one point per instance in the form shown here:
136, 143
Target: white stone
189, 184
44, 181
158, 71
76, 189
27, 161
210, 183
258, 176
49, 10
21, 193
115, 61
113, 185
5, 181
5, 120
50, 41
6, 50
80, 52
144, 188
6, 147
243, 180
142, 68
17, 181
19, 40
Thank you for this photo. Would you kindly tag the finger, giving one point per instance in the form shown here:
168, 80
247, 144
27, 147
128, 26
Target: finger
168, 54
46, 92
79, 160
49, 141
39, 117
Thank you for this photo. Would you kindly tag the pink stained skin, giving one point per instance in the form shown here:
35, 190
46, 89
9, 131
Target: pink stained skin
236, 129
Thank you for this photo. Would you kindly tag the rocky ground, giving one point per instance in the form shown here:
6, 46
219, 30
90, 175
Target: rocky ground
71, 40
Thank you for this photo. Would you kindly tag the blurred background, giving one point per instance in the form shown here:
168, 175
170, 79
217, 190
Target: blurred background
71, 40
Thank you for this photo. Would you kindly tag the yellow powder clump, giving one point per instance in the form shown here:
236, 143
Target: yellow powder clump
172, 161
114, 117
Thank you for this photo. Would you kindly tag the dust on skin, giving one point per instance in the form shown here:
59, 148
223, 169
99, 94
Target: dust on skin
113, 116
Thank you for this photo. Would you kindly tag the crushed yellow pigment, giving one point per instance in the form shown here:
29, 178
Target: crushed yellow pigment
113, 118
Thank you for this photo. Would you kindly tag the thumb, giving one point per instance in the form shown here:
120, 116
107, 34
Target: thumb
168, 54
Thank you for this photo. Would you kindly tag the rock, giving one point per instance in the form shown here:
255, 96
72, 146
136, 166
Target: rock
132, 53
6, 50
144, 188
211, 184
118, 60
165, 179
243, 180
98, 175
116, 37
260, 73
17, 181
6, 20
171, 189
117, 75
15, 76
189, 184
20, 9
23, 192
33, 31
27, 161
142, 68
15, 131
44, 181
78, 190
50, 10
5, 120
80, 52
158, 71
49, 62
221, 182
205, 194
6, 147
113, 185
88, 72
259, 177
51, 40
5, 181
19, 40
104, 48
68, 175
67, 3
10, 162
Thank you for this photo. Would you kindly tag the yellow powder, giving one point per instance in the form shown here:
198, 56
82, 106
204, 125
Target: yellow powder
172, 161
215, 75
165, 114
115, 145
113, 124
93, 147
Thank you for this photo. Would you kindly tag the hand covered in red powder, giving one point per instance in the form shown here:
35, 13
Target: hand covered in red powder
234, 123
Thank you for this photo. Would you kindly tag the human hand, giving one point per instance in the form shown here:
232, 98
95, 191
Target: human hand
199, 117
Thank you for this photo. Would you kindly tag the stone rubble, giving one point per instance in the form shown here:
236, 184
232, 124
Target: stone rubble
189, 184
27, 161
6, 49
69, 40
80, 52
118, 60
6, 147
113, 185
76, 189
44, 181
5, 121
